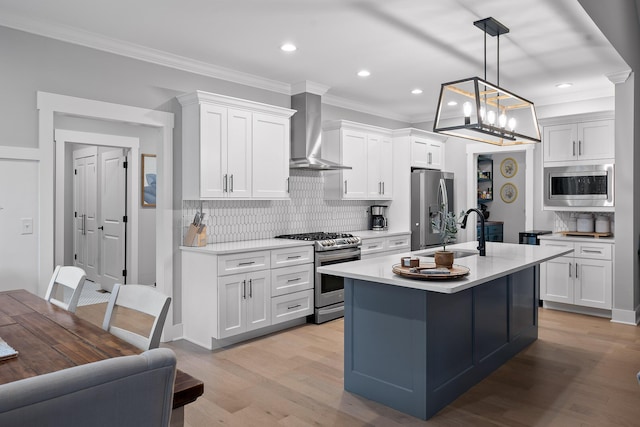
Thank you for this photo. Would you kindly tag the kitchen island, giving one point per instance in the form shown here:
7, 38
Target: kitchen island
416, 345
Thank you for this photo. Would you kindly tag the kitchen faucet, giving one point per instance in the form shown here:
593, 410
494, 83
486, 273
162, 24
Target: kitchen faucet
481, 238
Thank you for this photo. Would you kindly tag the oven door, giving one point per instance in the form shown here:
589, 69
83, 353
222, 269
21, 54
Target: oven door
330, 289
579, 186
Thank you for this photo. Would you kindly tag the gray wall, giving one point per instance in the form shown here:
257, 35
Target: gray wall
618, 21
512, 214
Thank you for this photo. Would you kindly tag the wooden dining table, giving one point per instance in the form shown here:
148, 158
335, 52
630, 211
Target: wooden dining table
49, 339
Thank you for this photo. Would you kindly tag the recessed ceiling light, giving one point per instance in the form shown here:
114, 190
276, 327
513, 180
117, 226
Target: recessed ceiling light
564, 85
288, 47
416, 91
364, 73
452, 103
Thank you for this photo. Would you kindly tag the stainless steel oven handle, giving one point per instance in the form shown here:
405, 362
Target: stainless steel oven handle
346, 257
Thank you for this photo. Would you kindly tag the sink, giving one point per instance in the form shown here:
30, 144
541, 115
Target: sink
458, 253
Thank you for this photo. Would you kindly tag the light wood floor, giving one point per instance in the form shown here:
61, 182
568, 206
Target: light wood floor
580, 372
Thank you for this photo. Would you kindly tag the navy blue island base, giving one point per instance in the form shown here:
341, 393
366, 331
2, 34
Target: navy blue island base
417, 351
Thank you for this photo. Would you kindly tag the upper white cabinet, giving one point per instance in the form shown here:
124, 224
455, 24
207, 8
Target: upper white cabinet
426, 148
234, 148
588, 140
369, 152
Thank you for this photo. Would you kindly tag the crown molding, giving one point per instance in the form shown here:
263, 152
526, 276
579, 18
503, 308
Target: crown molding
309, 86
142, 53
618, 77
158, 57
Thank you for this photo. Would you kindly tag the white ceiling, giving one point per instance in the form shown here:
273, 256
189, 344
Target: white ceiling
404, 43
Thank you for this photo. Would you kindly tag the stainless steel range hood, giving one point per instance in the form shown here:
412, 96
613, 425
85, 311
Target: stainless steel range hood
306, 134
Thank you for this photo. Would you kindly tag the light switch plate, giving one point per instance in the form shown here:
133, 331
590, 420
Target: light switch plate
27, 225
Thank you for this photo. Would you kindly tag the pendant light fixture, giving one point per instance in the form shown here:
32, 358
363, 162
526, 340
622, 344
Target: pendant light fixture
475, 109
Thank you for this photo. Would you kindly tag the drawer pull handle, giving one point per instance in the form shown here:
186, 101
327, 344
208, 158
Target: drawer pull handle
293, 306
246, 263
372, 247
592, 251
294, 280
294, 257
399, 243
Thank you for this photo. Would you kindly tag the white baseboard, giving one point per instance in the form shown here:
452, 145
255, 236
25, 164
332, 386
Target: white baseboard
578, 309
628, 317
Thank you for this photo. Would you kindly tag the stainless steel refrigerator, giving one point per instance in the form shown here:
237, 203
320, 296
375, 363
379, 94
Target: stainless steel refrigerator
430, 189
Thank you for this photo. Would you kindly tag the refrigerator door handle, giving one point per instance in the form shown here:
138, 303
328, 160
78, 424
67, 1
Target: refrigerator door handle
445, 196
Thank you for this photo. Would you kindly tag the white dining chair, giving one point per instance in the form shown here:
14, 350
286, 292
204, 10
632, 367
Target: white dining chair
140, 298
66, 277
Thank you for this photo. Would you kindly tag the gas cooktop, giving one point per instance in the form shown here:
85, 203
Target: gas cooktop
326, 241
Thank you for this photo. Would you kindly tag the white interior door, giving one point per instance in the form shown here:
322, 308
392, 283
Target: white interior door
113, 211
85, 238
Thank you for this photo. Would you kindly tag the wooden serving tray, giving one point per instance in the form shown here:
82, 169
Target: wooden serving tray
455, 272
585, 234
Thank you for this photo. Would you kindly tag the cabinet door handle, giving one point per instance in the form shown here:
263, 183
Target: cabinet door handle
244, 289
430, 157
246, 263
382, 187
294, 280
293, 306
250, 289
569, 269
224, 183
574, 148
579, 148
345, 186
231, 183
379, 187
576, 270
288, 186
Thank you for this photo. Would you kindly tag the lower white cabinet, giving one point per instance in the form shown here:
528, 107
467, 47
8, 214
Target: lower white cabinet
377, 246
228, 295
244, 302
584, 279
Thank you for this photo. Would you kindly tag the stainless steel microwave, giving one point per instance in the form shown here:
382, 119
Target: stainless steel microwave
579, 186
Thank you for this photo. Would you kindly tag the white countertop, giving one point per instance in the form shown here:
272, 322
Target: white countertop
246, 246
582, 239
371, 234
501, 259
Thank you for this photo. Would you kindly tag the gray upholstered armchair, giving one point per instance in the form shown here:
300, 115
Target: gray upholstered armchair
122, 391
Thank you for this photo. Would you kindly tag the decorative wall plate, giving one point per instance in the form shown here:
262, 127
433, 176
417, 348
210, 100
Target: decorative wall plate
509, 167
509, 192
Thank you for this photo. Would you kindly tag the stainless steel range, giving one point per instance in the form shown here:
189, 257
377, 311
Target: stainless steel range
330, 248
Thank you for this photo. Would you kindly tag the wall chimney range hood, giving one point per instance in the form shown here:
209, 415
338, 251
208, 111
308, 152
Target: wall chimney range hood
306, 130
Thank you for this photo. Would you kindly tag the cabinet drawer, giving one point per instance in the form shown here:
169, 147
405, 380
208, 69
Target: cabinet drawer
398, 243
286, 280
557, 244
592, 250
291, 306
371, 246
243, 262
291, 256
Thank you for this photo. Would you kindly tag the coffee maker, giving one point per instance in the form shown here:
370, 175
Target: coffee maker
378, 218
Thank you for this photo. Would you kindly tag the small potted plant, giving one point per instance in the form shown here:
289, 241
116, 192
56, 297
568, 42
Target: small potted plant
446, 224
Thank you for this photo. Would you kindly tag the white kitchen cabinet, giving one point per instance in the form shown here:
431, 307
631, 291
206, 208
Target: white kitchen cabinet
426, 153
244, 302
238, 296
368, 150
591, 140
584, 279
271, 153
379, 174
385, 245
233, 148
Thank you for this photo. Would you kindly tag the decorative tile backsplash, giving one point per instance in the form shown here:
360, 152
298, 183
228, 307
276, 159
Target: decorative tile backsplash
306, 211
561, 222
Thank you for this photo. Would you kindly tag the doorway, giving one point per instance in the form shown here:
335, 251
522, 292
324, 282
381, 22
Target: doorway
98, 189
524, 153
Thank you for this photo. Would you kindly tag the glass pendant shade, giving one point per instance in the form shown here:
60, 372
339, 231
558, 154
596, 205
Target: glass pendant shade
471, 122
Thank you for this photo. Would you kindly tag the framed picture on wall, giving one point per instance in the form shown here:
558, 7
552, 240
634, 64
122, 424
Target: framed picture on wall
509, 167
509, 193
148, 180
